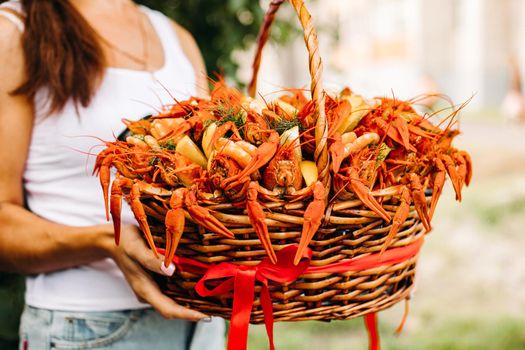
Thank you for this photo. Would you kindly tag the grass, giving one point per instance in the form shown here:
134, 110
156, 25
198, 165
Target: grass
454, 334
496, 214
494, 207
465, 334
492, 204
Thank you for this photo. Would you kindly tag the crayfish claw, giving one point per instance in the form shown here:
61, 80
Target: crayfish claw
313, 217
140, 215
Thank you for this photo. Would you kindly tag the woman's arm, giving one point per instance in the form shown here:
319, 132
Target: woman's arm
30, 244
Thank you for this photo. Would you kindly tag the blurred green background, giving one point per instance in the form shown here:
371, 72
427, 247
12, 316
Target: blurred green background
11, 305
222, 26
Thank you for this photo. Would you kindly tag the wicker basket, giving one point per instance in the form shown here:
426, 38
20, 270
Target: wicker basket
349, 230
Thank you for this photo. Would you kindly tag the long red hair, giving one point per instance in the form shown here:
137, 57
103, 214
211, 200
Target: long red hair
62, 54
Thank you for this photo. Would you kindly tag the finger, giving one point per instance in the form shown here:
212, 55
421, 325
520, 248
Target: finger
138, 251
148, 260
169, 309
148, 291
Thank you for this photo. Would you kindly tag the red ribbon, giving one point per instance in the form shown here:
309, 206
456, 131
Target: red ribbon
227, 277
241, 280
371, 327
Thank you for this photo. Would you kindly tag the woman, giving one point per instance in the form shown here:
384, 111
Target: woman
69, 71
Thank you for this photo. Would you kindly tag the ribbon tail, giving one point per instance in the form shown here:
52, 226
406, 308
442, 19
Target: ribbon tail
266, 304
244, 294
371, 327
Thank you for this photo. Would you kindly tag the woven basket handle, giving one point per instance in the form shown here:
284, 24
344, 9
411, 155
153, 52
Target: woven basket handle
316, 69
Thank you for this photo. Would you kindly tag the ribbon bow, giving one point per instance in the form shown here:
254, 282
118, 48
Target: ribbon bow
241, 280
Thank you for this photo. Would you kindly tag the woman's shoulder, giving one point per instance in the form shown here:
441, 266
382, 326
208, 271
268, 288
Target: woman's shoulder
11, 50
11, 24
10, 36
13, 12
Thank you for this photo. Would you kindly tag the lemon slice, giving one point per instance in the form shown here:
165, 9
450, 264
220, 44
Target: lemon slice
207, 137
292, 136
189, 149
309, 171
359, 109
210, 159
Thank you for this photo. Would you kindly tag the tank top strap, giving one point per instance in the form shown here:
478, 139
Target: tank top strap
13, 5
173, 51
14, 12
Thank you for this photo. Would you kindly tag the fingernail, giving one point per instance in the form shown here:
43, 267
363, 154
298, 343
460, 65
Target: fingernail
206, 319
169, 270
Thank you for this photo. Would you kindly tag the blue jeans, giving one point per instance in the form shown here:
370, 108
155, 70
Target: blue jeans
116, 330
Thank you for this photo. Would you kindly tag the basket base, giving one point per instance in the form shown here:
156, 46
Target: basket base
393, 284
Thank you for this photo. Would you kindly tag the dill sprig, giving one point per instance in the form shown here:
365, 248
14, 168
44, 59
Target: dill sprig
226, 114
237, 119
229, 113
281, 125
382, 154
169, 145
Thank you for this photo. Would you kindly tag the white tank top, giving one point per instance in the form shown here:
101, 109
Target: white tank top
58, 179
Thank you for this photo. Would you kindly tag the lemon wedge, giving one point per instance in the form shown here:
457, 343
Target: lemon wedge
207, 147
210, 160
309, 171
189, 149
359, 109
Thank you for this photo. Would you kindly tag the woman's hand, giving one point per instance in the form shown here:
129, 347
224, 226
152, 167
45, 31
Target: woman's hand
132, 257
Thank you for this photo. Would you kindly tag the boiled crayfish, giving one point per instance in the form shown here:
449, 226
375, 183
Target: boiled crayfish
233, 149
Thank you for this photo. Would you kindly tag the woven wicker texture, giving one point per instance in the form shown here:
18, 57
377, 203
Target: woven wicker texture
351, 231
